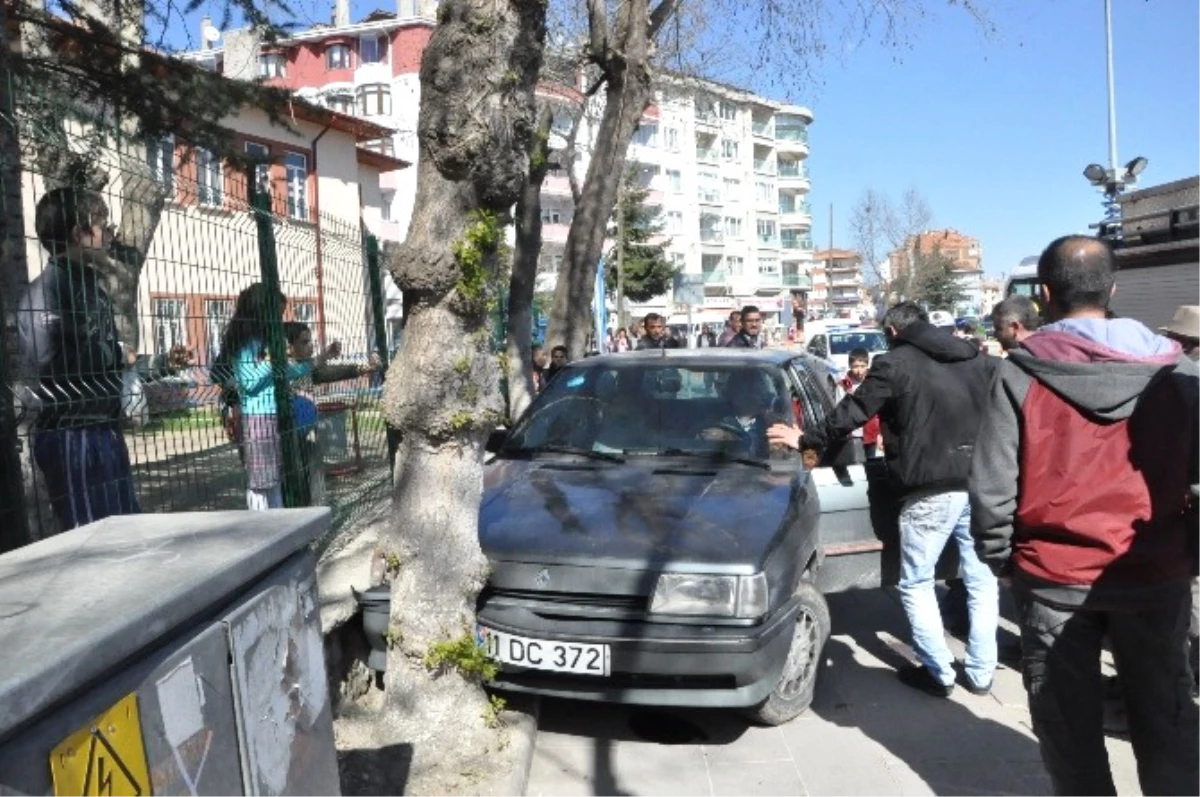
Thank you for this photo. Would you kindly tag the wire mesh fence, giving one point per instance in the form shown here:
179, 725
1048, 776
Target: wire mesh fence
182, 335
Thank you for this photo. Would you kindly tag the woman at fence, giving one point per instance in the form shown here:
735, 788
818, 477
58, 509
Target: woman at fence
304, 408
245, 364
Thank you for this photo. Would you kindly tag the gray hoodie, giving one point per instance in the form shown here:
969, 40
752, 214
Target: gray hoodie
1079, 540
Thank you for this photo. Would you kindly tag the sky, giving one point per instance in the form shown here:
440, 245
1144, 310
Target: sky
993, 128
995, 131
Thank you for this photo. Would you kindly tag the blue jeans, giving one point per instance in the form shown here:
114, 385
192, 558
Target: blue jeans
927, 524
87, 471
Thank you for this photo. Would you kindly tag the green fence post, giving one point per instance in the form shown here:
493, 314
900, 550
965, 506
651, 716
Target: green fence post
291, 475
375, 275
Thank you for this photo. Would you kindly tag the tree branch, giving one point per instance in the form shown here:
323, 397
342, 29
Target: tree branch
598, 30
660, 15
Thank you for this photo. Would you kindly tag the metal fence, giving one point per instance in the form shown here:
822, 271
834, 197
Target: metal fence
77, 388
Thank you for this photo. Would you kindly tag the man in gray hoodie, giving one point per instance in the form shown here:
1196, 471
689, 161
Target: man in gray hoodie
1081, 493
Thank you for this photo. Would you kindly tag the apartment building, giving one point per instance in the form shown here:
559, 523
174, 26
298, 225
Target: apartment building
838, 287
964, 251
726, 167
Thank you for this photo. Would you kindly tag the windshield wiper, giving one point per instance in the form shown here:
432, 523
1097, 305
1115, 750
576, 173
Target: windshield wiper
716, 456
583, 452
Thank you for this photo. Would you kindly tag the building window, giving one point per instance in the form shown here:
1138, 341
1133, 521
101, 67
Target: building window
765, 192
217, 313
768, 266
170, 324
551, 216
678, 259
342, 103
304, 312
675, 177
674, 221
710, 228
209, 183
383, 146
733, 189
729, 149
160, 155
375, 100
709, 190
337, 56
387, 199
671, 139
646, 136
272, 65
550, 264
372, 50
733, 227
297, 185
766, 231
728, 111
734, 264
262, 171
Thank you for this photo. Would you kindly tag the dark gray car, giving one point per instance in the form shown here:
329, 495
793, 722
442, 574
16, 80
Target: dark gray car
647, 545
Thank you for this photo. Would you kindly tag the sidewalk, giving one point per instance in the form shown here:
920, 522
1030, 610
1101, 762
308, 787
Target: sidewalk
865, 734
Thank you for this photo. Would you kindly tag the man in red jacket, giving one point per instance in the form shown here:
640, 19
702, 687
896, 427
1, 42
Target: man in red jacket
1082, 481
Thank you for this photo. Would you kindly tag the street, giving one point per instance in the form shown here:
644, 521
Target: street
866, 733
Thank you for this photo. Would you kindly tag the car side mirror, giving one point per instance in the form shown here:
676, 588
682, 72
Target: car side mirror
496, 440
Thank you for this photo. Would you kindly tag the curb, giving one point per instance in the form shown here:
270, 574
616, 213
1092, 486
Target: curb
522, 719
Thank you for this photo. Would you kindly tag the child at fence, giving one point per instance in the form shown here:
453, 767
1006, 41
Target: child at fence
244, 365
304, 408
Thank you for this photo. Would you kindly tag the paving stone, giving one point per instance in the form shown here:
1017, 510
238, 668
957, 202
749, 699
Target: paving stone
756, 745
775, 777
618, 768
835, 760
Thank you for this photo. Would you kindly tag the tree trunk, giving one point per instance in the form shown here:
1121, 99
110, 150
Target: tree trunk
627, 93
524, 272
477, 121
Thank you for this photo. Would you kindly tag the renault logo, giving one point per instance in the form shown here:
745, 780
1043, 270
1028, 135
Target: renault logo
542, 579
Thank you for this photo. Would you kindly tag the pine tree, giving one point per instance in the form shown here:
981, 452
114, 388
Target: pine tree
647, 270
935, 283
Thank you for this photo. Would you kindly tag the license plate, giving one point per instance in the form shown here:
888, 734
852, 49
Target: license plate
542, 654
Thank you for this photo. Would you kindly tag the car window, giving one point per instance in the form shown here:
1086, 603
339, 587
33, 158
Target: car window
635, 407
845, 342
815, 403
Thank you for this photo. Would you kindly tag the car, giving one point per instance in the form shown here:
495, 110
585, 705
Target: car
645, 546
836, 345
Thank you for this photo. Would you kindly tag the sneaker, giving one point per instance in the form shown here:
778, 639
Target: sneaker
918, 677
979, 691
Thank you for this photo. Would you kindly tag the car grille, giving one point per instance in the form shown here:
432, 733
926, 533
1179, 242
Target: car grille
567, 605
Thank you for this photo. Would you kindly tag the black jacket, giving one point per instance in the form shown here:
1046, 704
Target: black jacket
743, 341
69, 341
665, 342
929, 391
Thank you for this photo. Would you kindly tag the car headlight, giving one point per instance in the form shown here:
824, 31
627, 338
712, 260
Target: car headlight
717, 596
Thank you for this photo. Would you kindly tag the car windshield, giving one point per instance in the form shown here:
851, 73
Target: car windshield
634, 408
846, 342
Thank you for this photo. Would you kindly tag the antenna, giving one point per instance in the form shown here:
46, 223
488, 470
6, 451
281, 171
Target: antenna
211, 33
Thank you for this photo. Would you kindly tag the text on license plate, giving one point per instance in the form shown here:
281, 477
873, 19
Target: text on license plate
542, 654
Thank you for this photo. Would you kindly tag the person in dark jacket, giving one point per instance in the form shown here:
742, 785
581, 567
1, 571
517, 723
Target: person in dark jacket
732, 327
656, 336
68, 338
1082, 489
750, 336
928, 391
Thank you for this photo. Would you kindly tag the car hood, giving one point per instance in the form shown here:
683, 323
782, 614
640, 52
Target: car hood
645, 514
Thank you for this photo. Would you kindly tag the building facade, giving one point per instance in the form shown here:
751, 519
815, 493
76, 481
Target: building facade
726, 167
963, 251
838, 287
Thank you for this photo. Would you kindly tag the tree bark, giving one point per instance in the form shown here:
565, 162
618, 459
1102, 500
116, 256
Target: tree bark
477, 120
524, 272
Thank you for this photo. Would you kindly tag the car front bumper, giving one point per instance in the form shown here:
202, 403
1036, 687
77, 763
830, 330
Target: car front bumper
654, 664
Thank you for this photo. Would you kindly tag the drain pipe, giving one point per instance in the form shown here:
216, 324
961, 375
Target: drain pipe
317, 232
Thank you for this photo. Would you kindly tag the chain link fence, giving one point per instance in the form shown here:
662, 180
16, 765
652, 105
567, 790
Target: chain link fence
225, 347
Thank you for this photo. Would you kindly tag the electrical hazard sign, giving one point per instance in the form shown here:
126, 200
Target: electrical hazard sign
105, 757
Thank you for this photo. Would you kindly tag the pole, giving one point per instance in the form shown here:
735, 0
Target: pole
375, 276
1112, 97
621, 320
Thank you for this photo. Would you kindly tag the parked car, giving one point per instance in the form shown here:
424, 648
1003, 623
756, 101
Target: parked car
646, 546
836, 346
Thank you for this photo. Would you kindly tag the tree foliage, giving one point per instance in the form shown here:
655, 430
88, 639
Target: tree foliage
647, 270
880, 228
934, 282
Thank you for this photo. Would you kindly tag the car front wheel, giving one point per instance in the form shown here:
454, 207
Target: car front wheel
792, 696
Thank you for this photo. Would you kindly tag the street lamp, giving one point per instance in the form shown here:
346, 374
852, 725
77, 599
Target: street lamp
1109, 180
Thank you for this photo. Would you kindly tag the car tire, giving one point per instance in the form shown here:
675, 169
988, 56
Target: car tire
792, 696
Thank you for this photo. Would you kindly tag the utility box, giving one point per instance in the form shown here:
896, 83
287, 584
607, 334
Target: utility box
166, 654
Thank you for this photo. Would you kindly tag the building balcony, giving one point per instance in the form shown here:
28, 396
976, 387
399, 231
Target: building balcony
763, 129
708, 197
705, 155
555, 233
844, 282
764, 166
796, 242
770, 280
642, 153
556, 185
707, 119
716, 276
768, 242
801, 281
378, 72
792, 139
845, 298
794, 213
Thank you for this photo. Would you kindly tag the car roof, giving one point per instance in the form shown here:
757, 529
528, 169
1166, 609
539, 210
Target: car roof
705, 356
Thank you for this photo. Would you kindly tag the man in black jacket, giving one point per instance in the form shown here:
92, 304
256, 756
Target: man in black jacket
928, 391
656, 336
750, 336
69, 339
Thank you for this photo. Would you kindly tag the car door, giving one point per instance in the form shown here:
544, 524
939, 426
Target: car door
852, 548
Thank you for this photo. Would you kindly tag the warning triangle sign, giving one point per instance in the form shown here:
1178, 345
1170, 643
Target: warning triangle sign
104, 757
106, 773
